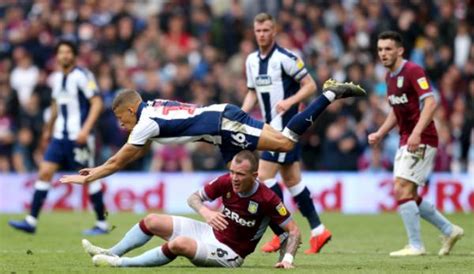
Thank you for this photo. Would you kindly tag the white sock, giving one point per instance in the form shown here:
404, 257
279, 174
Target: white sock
297, 189
134, 238
317, 230
153, 257
31, 220
270, 182
102, 225
330, 95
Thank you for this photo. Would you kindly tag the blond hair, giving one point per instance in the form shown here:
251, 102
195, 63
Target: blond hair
263, 16
126, 96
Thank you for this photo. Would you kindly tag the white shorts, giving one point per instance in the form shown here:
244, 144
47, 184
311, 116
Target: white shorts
414, 167
210, 252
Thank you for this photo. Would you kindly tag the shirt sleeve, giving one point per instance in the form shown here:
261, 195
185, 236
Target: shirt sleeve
214, 189
87, 84
294, 66
420, 83
145, 129
249, 74
277, 211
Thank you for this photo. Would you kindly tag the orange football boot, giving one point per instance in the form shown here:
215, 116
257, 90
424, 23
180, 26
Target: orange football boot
316, 243
271, 246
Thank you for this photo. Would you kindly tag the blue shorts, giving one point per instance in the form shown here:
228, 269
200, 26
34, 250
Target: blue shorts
68, 155
283, 157
239, 132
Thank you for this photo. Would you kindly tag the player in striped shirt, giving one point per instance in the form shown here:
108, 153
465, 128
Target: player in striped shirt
278, 80
76, 106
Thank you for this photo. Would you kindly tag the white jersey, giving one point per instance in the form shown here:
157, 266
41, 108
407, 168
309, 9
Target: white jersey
172, 122
275, 77
72, 93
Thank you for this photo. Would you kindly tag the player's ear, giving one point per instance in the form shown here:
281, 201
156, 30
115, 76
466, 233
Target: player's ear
255, 174
400, 50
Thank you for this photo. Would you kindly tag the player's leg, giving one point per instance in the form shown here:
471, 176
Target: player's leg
408, 175
451, 233
161, 255
320, 235
81, 156
332, 90
267, 172
41, 188
406, 194
152, 225
273, 140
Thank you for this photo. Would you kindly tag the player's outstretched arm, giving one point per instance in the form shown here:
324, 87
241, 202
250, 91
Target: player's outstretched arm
213, 218
122, 158
389, 123
293, 242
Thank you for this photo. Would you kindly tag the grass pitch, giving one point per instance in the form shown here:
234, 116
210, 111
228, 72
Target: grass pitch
360, 244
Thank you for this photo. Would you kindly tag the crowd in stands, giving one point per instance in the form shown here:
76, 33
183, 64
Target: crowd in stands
195, 50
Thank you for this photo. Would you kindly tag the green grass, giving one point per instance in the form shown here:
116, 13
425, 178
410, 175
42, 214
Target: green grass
360, 244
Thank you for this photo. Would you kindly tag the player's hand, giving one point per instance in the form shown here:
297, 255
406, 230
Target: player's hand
73, 179
86, 171
374, 138
413, 142
285, 265
283, 106
82, 138
215, 219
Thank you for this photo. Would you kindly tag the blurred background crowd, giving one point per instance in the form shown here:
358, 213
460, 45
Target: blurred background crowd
195, 50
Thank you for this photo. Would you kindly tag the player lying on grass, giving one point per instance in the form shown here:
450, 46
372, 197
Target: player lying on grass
224, 125
227, 237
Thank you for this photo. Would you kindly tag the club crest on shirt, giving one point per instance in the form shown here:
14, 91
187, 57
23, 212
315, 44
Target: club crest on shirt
253, 207
423, 83
400, 81
281, 209
228, 195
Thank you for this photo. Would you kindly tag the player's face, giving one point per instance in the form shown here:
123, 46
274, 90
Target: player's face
126, 116
65, 56
389, 53
264, 33
242, 178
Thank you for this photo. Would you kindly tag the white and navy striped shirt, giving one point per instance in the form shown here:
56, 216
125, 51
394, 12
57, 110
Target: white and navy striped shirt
275, 77
72, 93
172, 122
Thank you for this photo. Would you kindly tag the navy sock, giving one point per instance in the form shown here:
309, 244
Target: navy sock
38, 200
306, 206
277, 189
303, 120
98, 204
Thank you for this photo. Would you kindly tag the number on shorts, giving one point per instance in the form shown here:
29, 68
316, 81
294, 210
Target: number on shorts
221, 252
415, 161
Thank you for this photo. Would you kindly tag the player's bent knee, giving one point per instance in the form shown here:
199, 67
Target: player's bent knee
152, 221
183, 246
403, 189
